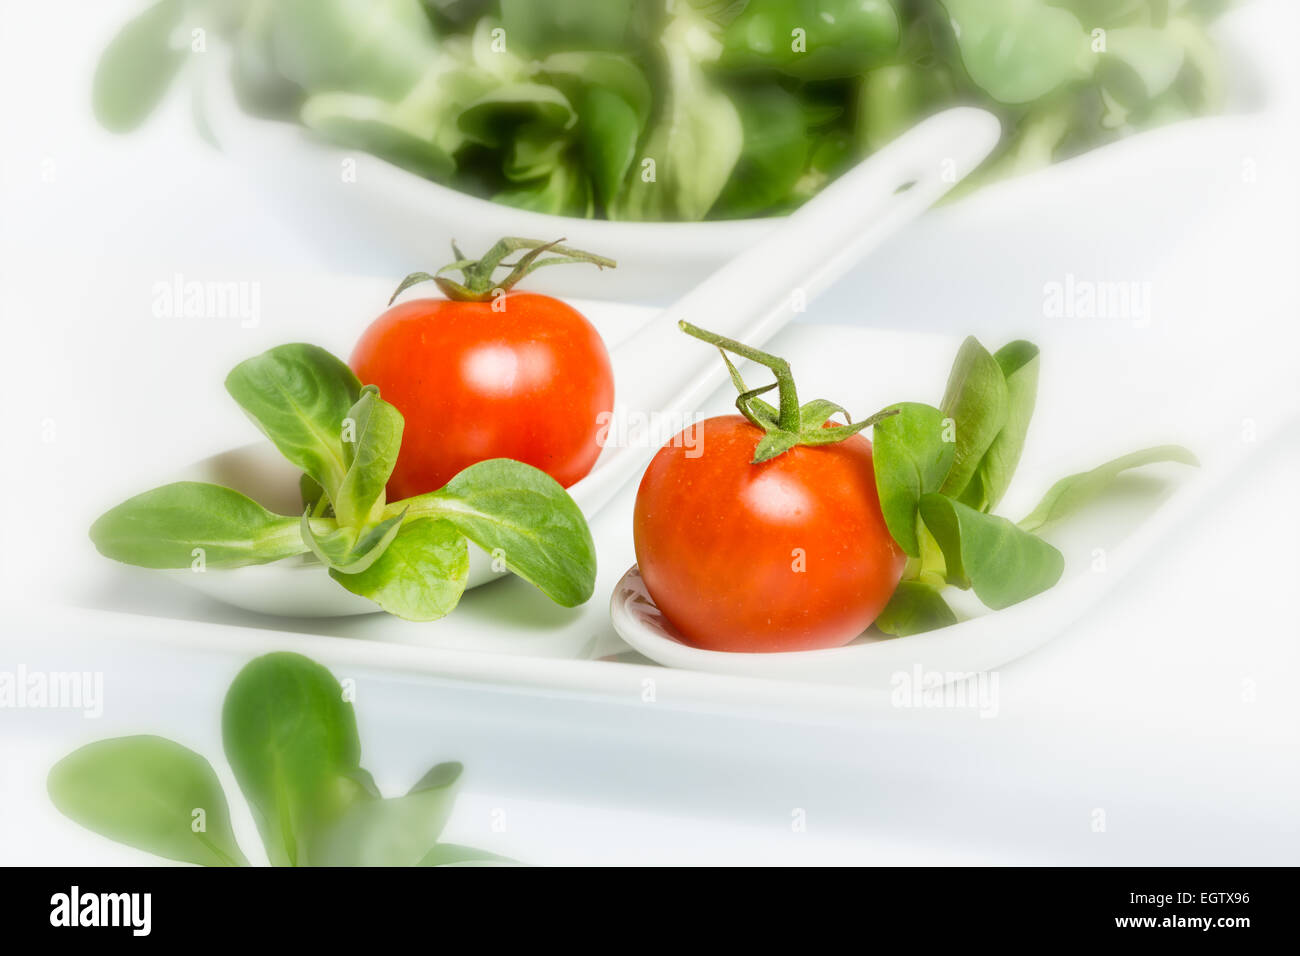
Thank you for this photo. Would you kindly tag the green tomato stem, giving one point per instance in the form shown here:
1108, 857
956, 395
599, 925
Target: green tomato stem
788, 419
478, 284
791, 424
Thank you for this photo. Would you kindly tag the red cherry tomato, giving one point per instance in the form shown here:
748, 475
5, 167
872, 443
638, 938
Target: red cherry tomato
528, 382
789, 555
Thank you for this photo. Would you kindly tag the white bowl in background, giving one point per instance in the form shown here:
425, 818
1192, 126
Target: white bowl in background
391, 222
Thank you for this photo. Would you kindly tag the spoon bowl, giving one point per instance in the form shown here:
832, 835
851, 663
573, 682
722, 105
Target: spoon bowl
295, 587
873, 661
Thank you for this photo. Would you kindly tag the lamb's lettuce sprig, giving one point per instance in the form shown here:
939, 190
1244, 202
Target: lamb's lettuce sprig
941, 471
410, 557
290, 737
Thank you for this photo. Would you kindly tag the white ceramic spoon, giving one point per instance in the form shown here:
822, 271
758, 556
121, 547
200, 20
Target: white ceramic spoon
980, 643
659, 371
660, 374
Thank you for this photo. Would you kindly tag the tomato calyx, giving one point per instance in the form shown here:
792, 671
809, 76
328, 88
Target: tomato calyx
788, 423
478, 284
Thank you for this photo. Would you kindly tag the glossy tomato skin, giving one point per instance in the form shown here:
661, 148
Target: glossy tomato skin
528, 382
789, 555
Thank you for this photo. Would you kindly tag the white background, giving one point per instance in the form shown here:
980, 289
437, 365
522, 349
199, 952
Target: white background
1172, 708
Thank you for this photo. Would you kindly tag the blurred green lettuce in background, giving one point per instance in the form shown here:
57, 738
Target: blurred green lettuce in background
290, 736
676, 109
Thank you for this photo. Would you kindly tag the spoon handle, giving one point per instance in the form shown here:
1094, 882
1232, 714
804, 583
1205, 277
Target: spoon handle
662, 376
